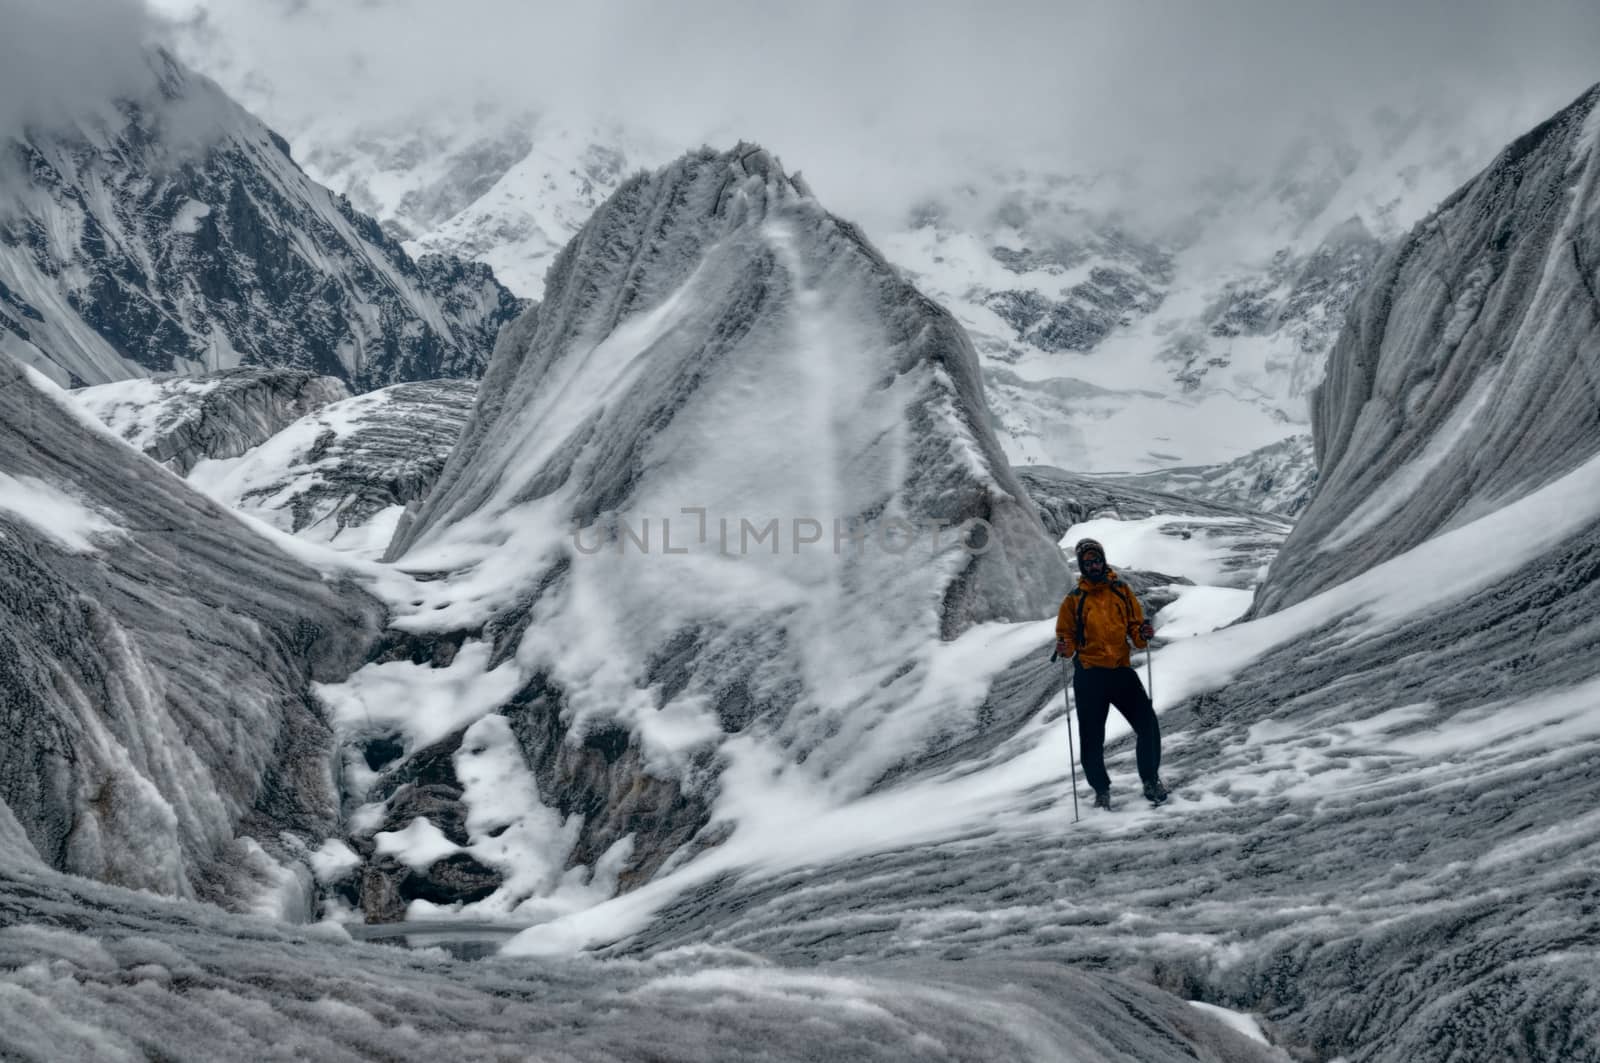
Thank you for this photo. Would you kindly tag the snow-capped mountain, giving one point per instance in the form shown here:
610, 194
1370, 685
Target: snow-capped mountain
1123, 324
1125, 339
494, 185
703, 306
173, 232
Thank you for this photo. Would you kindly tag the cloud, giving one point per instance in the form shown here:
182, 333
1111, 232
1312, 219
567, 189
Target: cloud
873, 99
62, 59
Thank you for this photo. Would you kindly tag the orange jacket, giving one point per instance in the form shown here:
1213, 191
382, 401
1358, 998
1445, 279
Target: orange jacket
1111, 617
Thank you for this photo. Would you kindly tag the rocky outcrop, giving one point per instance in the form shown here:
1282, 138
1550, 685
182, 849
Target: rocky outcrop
1469, 370
1126, 279
158, 662
175, 233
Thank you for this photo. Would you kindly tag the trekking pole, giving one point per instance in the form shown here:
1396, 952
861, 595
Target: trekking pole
1071, 758
1149, 677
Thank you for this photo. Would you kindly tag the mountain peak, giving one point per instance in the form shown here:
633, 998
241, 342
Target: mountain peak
172, 232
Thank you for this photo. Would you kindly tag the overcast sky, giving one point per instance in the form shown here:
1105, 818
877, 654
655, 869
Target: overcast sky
874, 85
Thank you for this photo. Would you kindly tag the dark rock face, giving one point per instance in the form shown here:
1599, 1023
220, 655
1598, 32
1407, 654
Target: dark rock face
1129, 283
158, 658
1468, 367
180, 422
156, 247
425, 787
603, 778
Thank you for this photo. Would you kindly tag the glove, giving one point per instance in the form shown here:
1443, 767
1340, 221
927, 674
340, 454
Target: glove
1062, 649
1147, 631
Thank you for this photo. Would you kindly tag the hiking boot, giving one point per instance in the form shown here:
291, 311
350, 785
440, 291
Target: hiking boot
1102, 799
1154, 792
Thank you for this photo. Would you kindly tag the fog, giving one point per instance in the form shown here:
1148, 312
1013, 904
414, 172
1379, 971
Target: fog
63, 59
873, 101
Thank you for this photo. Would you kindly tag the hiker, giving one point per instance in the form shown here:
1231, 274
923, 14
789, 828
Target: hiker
1096, 623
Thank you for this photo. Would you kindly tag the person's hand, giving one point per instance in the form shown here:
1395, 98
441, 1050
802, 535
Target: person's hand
1147, 631
1062, 649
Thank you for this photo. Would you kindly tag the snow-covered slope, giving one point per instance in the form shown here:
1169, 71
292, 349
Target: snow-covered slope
344, 474
295, 449
92, 972
174, 232
1189, 330
158, 657
182, 421
707, 519
1470, 372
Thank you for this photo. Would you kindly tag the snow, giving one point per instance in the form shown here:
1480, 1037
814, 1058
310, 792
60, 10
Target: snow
419, 846
333, 861
50, 510
417, 701
1196, 551
187, 220
138, 411
1246, 1024
1198, 610
512, 831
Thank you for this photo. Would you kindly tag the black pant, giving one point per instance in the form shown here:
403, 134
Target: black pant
1097, 689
